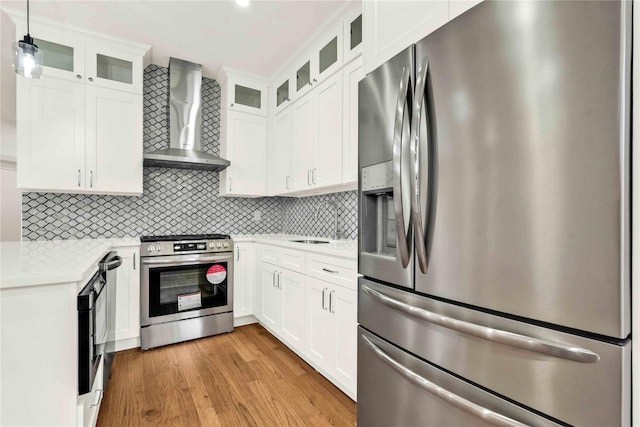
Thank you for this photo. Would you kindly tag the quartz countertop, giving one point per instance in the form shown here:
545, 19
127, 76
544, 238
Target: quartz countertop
48, 262
342, 248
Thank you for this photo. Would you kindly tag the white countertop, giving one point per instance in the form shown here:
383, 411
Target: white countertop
53, 261
342, 248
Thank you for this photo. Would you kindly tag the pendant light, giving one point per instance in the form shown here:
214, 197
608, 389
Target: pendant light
27, 58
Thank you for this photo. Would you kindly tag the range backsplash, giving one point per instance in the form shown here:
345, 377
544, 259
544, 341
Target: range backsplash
179, 200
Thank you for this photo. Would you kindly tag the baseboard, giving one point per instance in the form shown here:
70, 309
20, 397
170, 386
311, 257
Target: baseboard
244, 320
127, 344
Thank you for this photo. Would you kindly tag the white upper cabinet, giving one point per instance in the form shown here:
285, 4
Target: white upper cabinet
327, 162
328, 53
352, 34
113, 141
244, 144
279, 154
243, 134
303, 77
391, 26
352, 74
79, 127
243, 92
51, 135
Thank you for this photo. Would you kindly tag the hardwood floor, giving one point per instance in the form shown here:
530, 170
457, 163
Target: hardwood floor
245, 378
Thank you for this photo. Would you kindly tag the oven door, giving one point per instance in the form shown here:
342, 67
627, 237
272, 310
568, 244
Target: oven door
177, 287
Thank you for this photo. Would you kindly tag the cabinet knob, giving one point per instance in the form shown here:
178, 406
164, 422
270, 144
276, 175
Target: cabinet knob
78, 76
232, 104
315, 80
90, 79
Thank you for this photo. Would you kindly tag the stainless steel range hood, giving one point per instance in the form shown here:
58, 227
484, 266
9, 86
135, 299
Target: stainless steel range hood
185, 122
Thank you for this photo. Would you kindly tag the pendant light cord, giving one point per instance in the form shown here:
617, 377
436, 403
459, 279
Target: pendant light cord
27, 16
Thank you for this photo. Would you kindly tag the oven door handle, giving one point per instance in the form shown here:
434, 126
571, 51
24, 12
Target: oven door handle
184, 261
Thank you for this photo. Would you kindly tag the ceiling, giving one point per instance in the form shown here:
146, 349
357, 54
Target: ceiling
257, 39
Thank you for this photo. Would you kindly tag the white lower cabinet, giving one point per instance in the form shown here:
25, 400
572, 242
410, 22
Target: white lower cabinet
127, 299
332, 331
243, 278
89, 403
313, 315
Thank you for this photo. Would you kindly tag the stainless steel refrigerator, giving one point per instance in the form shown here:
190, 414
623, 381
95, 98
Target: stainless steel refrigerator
494, 221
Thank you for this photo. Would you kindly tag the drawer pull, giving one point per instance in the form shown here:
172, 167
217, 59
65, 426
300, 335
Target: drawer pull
550, 348
444, 394
330, 271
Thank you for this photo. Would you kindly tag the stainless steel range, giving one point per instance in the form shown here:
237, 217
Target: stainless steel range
186, 288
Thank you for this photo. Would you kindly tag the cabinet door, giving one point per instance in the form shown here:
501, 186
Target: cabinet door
352, 35
304, 75
282, 94
127, 299
391, 26
344, 309
328, 54
327, 169
114, 141
62, 54
114, 69
271, 296
246, 149
352, 74
320, 343
302, 143
244, 273
280, 154
247, 96
50, 134
292, 286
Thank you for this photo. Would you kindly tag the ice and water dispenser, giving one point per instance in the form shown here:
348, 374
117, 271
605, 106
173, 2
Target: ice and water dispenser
378, 216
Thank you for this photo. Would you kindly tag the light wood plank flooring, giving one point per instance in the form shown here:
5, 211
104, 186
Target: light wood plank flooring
245, 378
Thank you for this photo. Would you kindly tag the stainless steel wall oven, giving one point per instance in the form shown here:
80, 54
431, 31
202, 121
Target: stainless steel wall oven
186, 288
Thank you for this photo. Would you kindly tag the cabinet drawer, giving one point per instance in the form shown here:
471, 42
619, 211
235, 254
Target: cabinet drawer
335, 270
290, 259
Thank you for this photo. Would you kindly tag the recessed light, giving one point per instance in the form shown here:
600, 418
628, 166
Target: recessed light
242, 3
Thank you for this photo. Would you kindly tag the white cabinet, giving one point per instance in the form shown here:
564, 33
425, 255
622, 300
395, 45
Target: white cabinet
352, 74
281, 93
292, 289
89, 403
316, 146
271, 300
243, 92
391, 26
332, 331
127, 299
279, 154
51, 135
244, 144
79, 128
243, 279
78, 138
113, 139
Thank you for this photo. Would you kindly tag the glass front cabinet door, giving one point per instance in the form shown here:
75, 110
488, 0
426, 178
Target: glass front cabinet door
62, 57
353, 35
114, 69
247, 95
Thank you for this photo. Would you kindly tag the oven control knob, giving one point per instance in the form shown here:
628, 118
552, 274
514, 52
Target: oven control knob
159, 248
211, 245
225, 244
150, 248
218, 245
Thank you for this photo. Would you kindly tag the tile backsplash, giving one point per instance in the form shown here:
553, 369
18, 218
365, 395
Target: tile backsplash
177, 201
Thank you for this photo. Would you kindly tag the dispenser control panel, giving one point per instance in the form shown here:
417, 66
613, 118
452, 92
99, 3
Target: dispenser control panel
378, 177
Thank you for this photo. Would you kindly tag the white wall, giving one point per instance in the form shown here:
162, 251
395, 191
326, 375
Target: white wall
10, 197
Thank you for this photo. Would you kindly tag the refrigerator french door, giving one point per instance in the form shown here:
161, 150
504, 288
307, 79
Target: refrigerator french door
494, 161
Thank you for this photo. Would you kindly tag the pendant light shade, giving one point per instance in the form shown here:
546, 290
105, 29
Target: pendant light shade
27, 58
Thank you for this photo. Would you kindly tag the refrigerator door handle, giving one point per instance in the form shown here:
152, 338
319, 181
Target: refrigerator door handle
523, 342
444, 394
404, 92
419, 97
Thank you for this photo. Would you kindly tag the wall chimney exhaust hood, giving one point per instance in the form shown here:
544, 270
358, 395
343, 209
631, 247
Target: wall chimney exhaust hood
185, 123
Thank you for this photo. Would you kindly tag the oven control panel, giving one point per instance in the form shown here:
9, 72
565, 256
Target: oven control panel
185, 247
